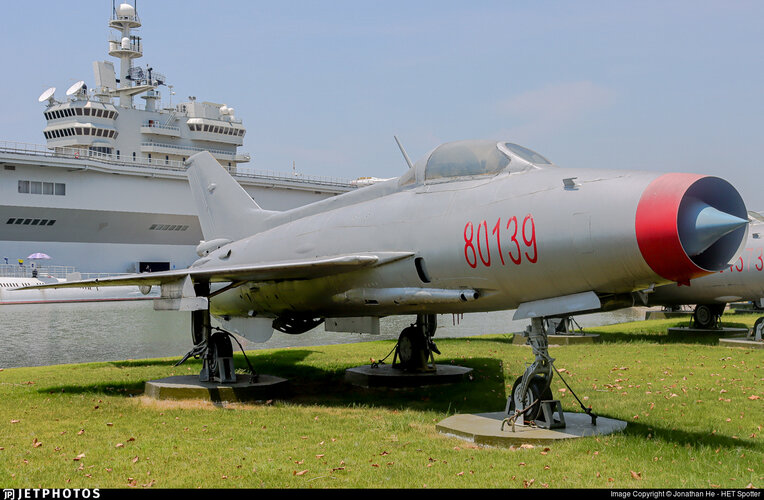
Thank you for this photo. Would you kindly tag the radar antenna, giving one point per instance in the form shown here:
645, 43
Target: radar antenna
77, 88
47, 95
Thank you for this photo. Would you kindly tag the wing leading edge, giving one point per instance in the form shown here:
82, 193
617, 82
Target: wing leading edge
275, 271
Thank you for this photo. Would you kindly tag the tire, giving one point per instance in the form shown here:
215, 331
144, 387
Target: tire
221, 348
704, 316
537, 387
412, 349
759, 324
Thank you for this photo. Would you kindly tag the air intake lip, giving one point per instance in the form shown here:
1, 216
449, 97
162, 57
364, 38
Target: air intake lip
689, 225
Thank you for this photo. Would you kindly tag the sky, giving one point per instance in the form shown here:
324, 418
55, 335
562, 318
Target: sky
675, 86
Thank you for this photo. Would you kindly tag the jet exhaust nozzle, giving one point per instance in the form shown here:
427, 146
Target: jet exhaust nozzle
690, 225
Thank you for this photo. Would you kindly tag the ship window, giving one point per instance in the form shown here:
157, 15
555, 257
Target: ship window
206, 128
78, 111
23, 186
133, 155
47, 188
27, 222
35, 222
11, 220
19, 221
86, 111
153, 226
60, 189
35, 187
78, 130
43, 222
51, 222
10, 167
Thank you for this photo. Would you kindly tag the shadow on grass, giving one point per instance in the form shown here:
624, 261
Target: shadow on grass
485, 391
310, 385
685, 438
664, 336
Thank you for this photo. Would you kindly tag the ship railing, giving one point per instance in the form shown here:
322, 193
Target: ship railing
162, 164
214, 151
154, 124
31, 270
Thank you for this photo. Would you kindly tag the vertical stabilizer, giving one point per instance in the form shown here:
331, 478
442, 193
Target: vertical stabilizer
224, 208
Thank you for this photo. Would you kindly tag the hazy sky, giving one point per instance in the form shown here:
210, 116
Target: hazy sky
663, 85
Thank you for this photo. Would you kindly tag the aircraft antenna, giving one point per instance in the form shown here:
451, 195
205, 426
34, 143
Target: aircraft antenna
405, 156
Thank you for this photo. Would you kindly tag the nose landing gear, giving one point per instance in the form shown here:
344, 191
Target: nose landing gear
530, 402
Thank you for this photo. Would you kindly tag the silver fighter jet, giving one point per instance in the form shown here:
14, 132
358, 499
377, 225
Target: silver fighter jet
473, 226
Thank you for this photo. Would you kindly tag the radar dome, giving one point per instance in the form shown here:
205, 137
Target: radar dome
125, 43
125, 10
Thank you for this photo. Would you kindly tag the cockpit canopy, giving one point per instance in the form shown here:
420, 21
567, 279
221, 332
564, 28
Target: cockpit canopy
474, 158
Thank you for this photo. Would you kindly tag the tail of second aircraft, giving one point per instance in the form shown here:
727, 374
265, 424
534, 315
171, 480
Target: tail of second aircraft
225, 209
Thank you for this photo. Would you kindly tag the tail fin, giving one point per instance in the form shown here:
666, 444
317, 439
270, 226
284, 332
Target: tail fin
224, 208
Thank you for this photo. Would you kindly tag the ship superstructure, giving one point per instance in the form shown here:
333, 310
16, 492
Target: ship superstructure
109, 192
106, 121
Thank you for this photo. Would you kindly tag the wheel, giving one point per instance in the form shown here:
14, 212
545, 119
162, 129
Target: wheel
537, 389
704, 316
412, 349
222, 354
758, 329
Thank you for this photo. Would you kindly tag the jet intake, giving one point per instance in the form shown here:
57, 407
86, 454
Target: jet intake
689, 225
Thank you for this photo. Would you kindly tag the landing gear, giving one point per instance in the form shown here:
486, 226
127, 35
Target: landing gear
707, 315
531, 399
534, 386
415, 348
213, 347
758, 329
529, 402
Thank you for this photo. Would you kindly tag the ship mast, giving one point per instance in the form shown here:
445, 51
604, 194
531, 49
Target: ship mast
128, 47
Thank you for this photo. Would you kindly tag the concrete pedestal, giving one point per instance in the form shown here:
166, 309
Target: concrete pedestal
189, 387
387, 376
485, 429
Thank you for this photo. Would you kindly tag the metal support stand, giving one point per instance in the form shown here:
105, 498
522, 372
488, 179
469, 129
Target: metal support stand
550, 410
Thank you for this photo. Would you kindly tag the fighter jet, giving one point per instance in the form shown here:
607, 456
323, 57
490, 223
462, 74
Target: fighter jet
473, 226
743, 280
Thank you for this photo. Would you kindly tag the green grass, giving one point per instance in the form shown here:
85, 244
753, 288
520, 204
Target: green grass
694, 413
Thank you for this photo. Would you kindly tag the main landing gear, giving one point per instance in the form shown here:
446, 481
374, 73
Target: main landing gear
415, 348
707, 316
530, 402
213, 346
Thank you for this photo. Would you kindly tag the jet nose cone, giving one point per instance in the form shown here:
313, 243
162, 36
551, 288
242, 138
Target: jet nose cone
703, 225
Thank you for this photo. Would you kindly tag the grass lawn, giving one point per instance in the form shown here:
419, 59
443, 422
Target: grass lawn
694, 410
